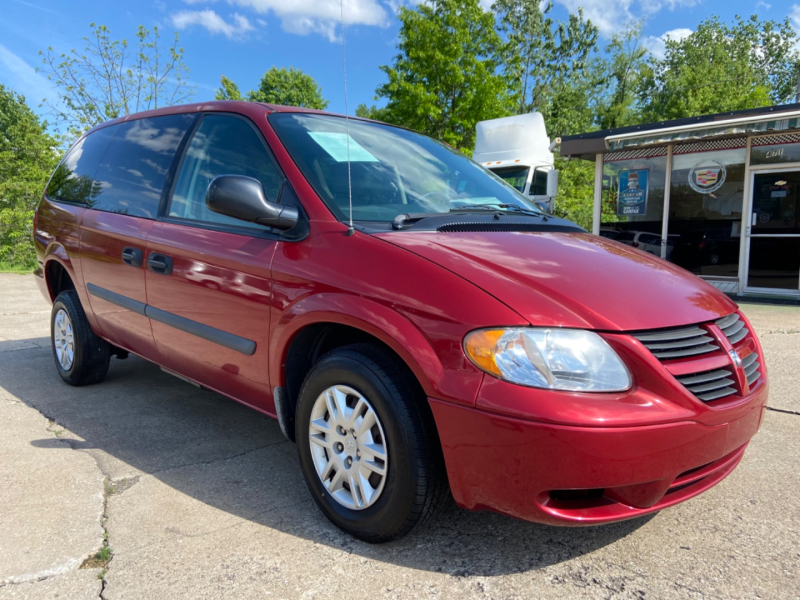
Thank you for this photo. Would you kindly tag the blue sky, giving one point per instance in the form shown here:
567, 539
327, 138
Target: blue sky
243, 38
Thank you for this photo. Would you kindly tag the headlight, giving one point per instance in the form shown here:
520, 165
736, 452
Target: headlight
556, 359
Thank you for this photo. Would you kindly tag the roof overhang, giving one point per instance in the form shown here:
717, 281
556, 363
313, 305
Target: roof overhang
729, 128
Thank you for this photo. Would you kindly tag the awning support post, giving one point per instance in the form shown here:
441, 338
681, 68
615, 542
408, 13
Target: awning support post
598, 194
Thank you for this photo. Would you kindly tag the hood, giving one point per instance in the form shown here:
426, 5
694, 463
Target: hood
572, 279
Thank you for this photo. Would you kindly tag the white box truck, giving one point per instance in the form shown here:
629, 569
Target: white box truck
518, 150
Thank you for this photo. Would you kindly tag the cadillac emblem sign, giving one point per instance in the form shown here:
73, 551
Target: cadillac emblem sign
707, 176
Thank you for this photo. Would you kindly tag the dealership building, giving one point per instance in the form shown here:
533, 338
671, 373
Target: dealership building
716, 194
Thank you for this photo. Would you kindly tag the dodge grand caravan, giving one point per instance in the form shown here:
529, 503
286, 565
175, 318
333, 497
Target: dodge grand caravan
413, 322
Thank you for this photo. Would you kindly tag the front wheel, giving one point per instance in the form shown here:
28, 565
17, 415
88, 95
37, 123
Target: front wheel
81, 357
367, 444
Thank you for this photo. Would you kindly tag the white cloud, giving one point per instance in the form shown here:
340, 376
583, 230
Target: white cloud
657, 45
794, 17
235, 29
23, 79
319, 16
613, 16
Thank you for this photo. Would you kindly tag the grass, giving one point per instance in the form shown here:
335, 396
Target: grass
7, 267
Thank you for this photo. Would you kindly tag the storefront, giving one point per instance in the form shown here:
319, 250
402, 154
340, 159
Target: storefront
718, 194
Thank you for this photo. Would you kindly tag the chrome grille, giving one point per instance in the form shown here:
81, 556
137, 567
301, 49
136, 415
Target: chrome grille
678, 343
710, 385
733, 328
751, 364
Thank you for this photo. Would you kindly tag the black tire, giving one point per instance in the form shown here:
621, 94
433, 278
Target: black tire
91, 354
416, 480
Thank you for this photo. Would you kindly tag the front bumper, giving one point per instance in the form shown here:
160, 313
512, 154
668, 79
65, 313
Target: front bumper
572, 475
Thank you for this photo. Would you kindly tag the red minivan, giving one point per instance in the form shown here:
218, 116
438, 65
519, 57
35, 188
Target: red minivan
413, 322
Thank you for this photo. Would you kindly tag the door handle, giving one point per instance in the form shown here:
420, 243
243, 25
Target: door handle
132, 256
159, 263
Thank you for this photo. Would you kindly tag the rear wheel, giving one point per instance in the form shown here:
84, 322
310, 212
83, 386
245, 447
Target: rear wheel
368, 446
81, 357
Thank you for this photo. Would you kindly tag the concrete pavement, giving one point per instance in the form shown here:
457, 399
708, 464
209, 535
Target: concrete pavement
199, 497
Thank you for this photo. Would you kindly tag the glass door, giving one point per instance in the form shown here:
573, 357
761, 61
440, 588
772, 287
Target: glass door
774, 259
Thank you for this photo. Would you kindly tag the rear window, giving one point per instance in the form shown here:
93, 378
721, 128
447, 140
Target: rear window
134, 168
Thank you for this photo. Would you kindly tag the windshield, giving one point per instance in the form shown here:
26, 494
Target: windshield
393, 171
516, 177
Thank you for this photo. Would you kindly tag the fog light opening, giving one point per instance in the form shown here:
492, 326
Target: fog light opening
576, 495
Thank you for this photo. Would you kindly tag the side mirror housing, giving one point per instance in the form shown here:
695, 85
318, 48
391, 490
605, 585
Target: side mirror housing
243, 198
552, 183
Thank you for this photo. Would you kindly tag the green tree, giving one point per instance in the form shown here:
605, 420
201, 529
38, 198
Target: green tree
27, 157
289, 87
111, 78
445, 78
371, 112
541, 58
619, 77
227, 90
722, 67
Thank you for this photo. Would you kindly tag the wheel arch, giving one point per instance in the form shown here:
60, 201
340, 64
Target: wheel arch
59, 274
313, 328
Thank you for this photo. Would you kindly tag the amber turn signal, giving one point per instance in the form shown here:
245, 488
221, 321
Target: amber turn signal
480, 348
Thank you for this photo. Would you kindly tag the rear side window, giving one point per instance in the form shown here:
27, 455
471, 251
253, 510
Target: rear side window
73, 179
222, 145
134, 168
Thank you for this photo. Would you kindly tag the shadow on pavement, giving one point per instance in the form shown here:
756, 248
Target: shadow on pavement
234, 459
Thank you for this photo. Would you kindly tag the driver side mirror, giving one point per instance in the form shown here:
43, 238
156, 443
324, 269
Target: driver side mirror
544, 206
552, 183
243, 198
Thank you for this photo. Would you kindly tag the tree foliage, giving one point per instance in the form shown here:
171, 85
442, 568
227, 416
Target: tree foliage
27, 157
112, 78
619, 76
290, 87
540, 56
445, 78
228, 90
721, 67
372, 112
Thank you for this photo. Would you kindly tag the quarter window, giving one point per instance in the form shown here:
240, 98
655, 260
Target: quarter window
222, 145
73, 179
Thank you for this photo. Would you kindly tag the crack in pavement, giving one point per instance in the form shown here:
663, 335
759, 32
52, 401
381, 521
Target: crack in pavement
784, 411
220, 459
72, 563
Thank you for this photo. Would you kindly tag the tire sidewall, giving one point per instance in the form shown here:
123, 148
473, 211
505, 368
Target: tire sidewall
397, 494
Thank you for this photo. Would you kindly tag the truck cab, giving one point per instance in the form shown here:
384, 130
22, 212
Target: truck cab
517, 150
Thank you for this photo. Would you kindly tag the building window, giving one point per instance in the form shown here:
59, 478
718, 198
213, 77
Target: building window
633, 202
775, 154
705, 210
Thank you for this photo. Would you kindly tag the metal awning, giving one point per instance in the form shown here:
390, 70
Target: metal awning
728, 128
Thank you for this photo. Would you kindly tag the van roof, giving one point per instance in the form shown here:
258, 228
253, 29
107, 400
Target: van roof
243, 107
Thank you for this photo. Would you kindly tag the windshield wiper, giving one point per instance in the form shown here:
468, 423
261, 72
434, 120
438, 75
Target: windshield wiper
497, 208
402, 221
